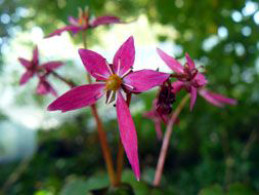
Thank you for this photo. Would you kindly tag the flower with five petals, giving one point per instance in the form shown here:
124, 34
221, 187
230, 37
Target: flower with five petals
33, 68
83, 23
113, 80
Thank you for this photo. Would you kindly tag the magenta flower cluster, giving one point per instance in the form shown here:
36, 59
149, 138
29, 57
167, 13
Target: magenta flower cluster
117, 80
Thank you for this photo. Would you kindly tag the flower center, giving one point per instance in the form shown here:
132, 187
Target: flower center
113, 82
83, 17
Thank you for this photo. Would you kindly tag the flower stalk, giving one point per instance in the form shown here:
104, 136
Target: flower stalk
166, 141
68, 82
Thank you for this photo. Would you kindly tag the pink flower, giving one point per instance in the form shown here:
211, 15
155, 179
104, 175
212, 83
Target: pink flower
83, 23
188, 76
33, 68
216, 99
112, 80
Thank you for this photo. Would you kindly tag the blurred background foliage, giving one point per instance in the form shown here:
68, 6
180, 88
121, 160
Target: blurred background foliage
213, 151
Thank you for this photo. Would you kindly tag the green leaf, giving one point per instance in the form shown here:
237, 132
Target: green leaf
76, 187
212, 190
240, 189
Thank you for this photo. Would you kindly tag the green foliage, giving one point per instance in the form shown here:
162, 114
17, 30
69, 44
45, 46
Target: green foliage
212, 190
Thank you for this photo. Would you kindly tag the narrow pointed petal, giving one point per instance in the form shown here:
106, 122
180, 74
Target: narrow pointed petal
103, 20
177, 86
193, 94
128, 134
199, 80
95, 64
50, 66
170, 61
73, 21
70, 28
44, 88
208, 97
78, 97
144, 80
24, 62
35, 58
224, 99
125, 57
216, 99
190, 62
25, 77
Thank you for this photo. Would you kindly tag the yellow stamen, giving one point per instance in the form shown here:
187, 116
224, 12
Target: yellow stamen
113, 82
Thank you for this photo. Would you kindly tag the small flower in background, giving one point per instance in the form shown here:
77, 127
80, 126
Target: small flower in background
194, 82
216, 99
188, 76
83, 23
112, 80
33, 68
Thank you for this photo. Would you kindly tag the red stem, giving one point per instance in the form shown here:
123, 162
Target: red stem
166, 141
69, 83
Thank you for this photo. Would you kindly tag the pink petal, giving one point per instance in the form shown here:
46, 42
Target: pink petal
170, 61
73, 21
44, 88
207, 95
216, 99
50, 66
104, 20
95, 64
125, 57
190, 62
35, 58
78, 97
128, 134
177, 86
199, 80
193, 94
70, 28
144, 80
25, 77
25, 63
223, 99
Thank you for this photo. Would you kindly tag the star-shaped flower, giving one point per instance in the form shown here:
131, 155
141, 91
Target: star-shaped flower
188, 76
113, 80
83, 23
33, 68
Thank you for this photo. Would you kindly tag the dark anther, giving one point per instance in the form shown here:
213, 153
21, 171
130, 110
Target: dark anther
165, 99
